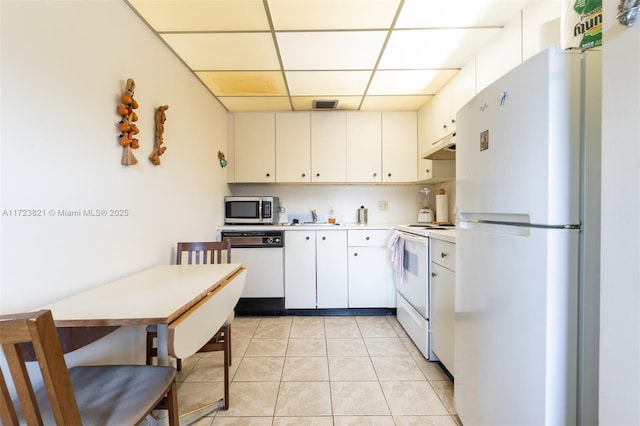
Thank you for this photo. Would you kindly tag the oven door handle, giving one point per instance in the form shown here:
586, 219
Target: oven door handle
414, 238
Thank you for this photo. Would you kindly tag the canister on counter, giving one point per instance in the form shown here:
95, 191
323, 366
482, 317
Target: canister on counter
362, 215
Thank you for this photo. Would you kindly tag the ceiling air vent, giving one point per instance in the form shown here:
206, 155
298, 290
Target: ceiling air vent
325, 104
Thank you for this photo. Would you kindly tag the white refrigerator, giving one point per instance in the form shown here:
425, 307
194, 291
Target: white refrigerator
528, 245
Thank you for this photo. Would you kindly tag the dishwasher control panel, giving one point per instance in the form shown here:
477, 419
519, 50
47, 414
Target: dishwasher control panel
257, 239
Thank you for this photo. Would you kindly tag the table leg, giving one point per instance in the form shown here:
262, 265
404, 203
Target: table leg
163, 345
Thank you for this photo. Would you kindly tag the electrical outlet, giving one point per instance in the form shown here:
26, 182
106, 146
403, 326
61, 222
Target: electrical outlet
383, 205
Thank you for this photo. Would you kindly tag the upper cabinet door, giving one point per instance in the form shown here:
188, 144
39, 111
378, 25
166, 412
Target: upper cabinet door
364, 147
328, 146
255, 147
399, 146
463, 89
501, 55
293, 147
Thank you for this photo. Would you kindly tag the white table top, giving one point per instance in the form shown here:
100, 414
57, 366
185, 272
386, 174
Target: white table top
157, 295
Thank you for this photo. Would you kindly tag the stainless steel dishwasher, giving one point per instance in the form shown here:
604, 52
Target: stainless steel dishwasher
262, 253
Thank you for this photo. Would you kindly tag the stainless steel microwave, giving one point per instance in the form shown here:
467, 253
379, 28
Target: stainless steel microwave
250, 210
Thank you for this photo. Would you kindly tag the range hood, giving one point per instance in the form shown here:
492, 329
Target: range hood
442, 149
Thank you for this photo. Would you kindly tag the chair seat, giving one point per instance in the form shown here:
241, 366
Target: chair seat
136, 386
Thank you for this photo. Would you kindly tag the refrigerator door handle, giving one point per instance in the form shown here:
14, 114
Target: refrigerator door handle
510, 218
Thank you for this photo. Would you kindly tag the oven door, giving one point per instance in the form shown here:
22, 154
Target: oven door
414, 286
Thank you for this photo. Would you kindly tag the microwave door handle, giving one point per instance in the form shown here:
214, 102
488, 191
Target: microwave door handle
260, 201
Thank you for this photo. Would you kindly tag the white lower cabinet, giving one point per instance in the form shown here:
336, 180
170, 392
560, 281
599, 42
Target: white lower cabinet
443, 301
370, 279
315, 270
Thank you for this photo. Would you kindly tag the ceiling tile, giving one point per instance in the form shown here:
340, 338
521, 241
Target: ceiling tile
457, 13
203, 15
256, 103
245, 83
327, 83
227, 51
428, 49
409, 82
332, 14
337, 50
394, 103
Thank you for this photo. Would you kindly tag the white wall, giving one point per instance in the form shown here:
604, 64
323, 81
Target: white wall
64, 66
620, 261
345, 199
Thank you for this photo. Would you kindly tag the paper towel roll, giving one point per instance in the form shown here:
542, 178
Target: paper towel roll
442, 208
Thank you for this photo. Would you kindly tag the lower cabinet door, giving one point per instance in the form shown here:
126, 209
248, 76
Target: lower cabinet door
369, 277
300, 270
331, 269
443, 314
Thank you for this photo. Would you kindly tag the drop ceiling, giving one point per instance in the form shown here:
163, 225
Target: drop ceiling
281, 55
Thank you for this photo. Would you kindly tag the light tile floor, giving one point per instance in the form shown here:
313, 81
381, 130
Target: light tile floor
320, 370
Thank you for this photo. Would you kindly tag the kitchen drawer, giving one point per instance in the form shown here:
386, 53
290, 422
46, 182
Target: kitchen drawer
368, 238
415, 325
443, 253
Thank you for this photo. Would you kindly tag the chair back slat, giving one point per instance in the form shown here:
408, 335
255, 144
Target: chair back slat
205, 252
39, 329
8, 414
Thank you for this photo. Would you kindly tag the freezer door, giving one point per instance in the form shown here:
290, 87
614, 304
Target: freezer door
516, 325
518, 143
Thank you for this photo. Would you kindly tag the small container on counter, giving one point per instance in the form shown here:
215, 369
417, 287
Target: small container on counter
362, 215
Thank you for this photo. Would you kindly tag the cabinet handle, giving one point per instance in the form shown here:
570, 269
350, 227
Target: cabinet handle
355, 254
389, 175
324, 238
307, 238
428, 171
367, 238
304, 175
268, 174
444, 126
453, 120
317, 174
433, 274
443, 254
375, 174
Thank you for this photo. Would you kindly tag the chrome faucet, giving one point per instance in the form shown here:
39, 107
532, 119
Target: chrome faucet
314, 216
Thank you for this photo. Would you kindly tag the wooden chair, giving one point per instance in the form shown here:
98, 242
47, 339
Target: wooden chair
90, 395
197, 253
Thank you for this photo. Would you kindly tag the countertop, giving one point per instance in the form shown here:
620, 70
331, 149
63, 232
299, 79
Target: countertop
307, 227
448, 235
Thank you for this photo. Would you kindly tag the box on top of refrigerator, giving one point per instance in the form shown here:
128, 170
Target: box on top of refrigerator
581, 24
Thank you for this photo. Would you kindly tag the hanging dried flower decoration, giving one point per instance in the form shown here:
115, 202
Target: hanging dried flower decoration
158, 149
127, 126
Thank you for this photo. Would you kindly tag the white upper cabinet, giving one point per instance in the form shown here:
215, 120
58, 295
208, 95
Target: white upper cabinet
328, 146
364, 147
293, 147
399, 146
254, 147
435, 120
462, 90
502, 54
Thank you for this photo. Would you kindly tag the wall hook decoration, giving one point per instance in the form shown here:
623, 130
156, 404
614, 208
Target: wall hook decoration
127, 126
223, 161
158, 149
628, 12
